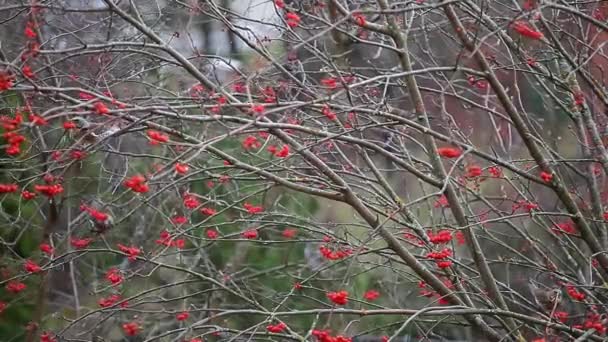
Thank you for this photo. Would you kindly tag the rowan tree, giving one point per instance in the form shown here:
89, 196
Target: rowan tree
323, 170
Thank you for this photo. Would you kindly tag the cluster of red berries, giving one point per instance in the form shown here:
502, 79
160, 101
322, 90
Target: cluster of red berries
157, 137
11, 136
449, 152
574, 293
443, 236
251, 142
331, 254
440, 257
293, 20
190, 201
131, 251
324, 336
593, 321
137, 183
111, 300
8, 188
252, 209
167, 240
277, 328
338, 297
329, 113
251, 233
49, 190
279, 153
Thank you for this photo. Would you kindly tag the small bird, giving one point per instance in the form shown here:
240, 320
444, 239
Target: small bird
101, 227
91, 133
101, 220
546, 298
84, 130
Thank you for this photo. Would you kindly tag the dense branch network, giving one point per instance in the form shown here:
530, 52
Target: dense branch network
330, 170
